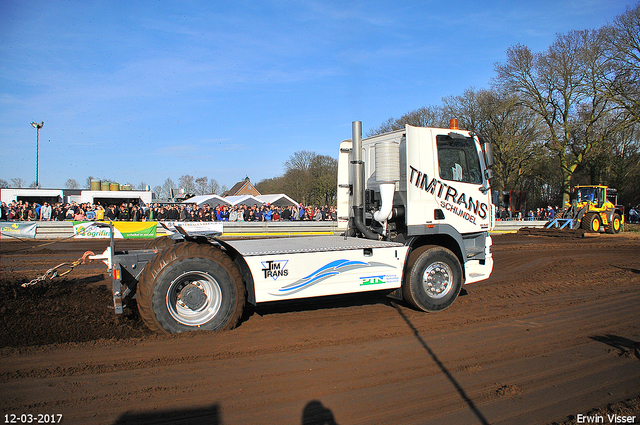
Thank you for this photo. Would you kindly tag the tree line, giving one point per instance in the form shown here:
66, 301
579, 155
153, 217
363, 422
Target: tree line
566, 116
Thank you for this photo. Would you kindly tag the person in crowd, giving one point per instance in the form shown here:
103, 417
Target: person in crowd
208, 213
99, 212
79, 215
634, 214
123, 212
4, 212
241, 212
111, 213
91, 213
69, 213
136, 214
317, 214
233, 214
224, 213
45, 212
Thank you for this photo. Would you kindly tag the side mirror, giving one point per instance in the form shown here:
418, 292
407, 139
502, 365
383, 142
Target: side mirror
488, 155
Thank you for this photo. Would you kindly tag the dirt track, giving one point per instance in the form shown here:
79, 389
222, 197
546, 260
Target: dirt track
553, 334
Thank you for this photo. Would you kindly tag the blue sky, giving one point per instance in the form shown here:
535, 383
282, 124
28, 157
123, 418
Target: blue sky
143, 91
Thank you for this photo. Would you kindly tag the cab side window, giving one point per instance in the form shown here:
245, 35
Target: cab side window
458, 159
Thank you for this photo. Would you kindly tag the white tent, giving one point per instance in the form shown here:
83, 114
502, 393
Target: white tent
213, 200
280, 200
243, 200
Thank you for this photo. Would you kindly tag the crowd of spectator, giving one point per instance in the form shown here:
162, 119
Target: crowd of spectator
541, 214
545, 214
32, 211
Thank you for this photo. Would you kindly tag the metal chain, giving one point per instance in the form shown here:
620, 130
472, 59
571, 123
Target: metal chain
53, 272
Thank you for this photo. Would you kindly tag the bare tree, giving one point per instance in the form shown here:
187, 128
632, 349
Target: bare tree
309, 178
187, 183
157, 190
300, 160
622, 81
72, 184
213, 188
4, 184
201, 185
167, 188
427, 116
17, 182
558, 86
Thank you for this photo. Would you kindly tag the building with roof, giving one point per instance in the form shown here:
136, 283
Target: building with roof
244, 187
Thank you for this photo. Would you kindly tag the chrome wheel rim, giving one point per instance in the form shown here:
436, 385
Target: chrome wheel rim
194, 298
437, 280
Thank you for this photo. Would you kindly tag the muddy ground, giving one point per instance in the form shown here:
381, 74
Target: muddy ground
553, 334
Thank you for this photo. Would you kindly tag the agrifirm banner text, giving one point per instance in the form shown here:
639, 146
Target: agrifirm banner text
121, 230
18, 229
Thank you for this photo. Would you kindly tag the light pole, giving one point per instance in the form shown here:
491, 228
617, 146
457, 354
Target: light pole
37, 127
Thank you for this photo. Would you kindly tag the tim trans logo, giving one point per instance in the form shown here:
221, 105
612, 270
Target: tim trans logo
275, 269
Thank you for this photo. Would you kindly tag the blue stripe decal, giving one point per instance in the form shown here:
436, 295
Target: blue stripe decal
323, 273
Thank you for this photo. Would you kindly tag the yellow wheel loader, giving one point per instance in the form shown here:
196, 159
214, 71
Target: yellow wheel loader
594, 209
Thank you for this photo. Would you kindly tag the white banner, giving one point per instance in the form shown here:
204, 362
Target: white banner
22, 229
194, 226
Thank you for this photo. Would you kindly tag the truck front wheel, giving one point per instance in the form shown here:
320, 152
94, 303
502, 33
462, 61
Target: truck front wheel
591, 223
433, 280
615, 225
188, 287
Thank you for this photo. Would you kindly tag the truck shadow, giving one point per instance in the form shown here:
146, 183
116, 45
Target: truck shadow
627, 269
324, 303
207, 415
463, 394
626, 347
317, 303
314, 413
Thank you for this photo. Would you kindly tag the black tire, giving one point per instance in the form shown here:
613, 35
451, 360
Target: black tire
433, 279
190, 287
591, 223
161, 243
616, 224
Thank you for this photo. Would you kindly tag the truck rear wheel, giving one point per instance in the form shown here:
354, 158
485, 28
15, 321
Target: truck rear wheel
433, 280
189, 287
591, 223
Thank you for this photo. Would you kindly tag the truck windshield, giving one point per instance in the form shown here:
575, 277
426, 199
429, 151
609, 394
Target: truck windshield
458, 159
590, 194
585, 194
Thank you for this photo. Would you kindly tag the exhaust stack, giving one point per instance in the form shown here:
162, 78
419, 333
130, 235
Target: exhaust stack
358, 183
